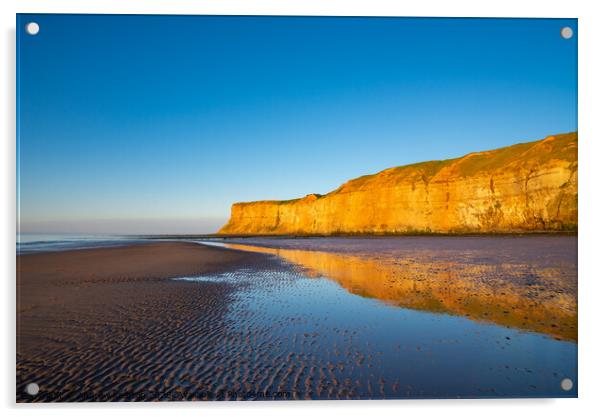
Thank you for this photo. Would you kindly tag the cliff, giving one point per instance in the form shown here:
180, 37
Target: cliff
525, 187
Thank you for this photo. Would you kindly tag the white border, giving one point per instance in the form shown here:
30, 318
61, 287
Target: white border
590, 70
468, 8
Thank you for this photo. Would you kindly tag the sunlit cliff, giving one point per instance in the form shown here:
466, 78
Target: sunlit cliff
525, 187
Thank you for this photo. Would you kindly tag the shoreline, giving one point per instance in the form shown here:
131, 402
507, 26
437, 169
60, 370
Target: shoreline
112, 324
358, 235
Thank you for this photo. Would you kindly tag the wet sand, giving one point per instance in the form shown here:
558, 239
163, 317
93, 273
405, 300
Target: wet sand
110, 324
503, 280
392, 318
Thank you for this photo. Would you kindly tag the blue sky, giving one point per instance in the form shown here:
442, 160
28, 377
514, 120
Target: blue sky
157, 124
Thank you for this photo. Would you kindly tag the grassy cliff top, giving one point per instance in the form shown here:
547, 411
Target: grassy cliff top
562, 147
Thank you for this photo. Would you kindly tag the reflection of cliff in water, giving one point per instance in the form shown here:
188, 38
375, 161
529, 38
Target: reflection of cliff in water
520, 296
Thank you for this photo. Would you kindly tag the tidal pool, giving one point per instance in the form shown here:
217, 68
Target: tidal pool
405, 317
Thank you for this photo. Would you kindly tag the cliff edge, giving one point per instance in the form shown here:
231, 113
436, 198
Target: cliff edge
520, 188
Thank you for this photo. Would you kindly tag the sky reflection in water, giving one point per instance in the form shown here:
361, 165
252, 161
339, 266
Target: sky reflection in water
479, 316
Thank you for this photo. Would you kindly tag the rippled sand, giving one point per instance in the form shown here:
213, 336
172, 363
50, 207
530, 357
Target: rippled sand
307, 323
524, 282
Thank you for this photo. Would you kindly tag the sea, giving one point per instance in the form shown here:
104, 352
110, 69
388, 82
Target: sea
36, 243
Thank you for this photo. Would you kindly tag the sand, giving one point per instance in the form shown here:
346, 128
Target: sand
89, 320
124, 324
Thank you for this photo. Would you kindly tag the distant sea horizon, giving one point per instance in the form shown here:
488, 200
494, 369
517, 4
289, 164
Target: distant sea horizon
29, 242
54, 242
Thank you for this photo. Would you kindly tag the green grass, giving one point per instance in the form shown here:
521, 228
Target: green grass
562, 147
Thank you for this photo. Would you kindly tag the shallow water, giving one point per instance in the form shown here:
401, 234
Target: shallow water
406, 317
37, 243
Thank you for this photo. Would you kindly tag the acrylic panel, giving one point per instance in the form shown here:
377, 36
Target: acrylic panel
295, 208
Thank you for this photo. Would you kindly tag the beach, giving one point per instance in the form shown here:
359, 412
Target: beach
271, 319
87, 319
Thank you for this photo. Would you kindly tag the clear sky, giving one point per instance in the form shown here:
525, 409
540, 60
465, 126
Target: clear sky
157, 124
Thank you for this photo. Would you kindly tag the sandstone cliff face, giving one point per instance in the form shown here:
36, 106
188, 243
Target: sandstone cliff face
525, 187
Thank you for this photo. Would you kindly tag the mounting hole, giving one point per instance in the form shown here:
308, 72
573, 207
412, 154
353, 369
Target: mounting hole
566, 384
566, 32
32, 28
32, 388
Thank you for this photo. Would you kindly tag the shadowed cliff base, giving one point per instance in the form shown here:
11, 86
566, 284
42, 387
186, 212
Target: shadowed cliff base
527, 187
